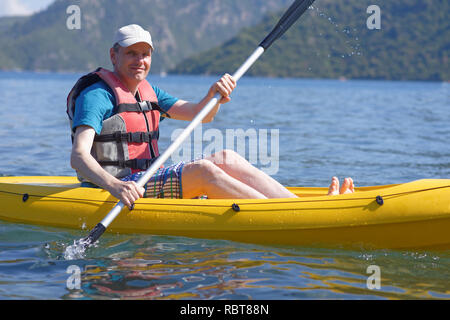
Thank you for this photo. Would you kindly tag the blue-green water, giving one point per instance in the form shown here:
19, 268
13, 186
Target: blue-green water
377, 132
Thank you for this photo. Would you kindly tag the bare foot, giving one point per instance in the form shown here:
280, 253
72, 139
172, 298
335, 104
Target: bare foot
347, 187
334, 187
352, 186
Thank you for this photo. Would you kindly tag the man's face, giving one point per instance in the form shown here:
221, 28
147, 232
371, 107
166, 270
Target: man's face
132, 63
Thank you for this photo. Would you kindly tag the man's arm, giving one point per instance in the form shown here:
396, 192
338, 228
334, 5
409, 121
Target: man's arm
184, 110
82, 161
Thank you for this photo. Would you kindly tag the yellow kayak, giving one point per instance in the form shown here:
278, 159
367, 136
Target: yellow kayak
409, 215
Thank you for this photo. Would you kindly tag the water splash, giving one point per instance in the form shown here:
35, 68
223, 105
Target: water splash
78, 249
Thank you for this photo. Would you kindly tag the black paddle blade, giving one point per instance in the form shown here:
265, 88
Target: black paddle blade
94, 235
79, 247
287, 20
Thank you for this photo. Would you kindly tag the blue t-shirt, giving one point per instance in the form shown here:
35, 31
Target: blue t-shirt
97, 103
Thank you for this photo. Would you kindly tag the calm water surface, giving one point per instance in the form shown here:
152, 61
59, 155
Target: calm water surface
377, 132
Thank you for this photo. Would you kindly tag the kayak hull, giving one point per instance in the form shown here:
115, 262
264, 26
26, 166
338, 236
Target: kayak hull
410, 215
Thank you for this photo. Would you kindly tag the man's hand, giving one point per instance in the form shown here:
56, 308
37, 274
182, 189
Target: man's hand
224, 86
184, 110
127, 192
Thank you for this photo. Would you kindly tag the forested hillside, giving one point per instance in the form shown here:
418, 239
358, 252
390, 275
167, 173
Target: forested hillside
332, 40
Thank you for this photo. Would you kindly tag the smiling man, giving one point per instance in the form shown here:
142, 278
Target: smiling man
115, 119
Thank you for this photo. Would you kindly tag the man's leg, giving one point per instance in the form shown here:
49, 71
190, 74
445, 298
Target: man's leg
204, 177
240, 169
227, 175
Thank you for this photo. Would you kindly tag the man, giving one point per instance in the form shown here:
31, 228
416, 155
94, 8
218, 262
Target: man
115, 120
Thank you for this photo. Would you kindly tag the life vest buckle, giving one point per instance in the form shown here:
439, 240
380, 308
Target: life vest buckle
145, 106
139, 137
117, 136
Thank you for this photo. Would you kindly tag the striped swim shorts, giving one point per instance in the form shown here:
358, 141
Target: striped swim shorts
165, 183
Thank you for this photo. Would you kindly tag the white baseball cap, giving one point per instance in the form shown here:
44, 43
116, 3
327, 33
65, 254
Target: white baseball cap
131, 34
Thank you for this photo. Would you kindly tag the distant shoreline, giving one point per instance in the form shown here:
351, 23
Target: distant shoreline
168, 75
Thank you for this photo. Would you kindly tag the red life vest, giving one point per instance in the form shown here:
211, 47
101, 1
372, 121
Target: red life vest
128, 142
